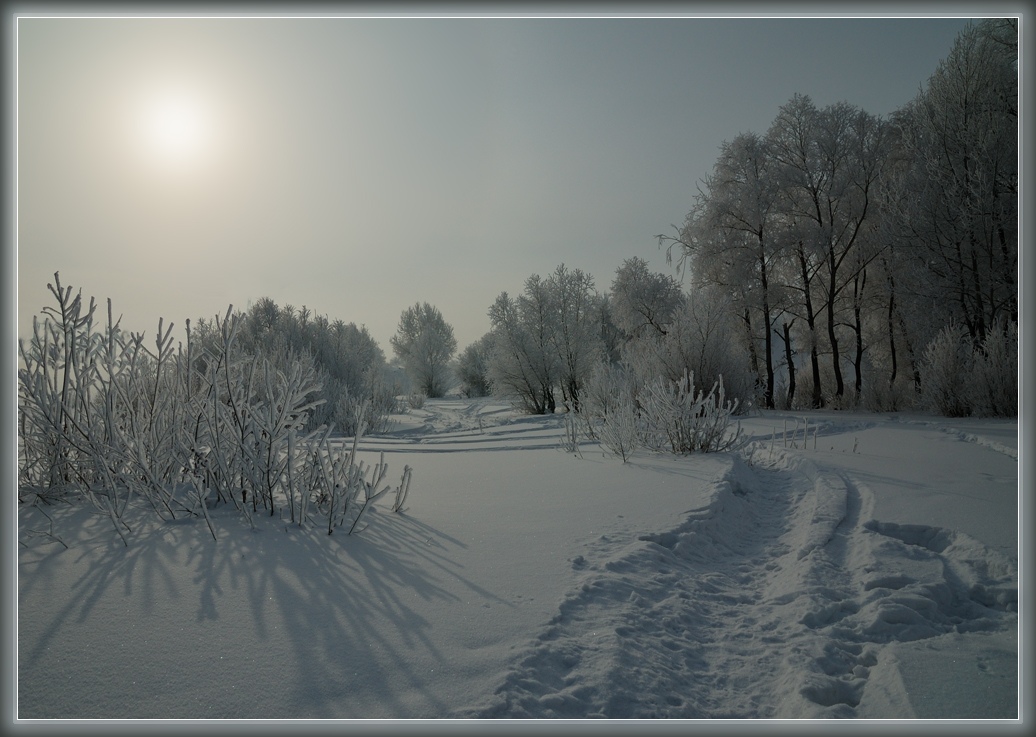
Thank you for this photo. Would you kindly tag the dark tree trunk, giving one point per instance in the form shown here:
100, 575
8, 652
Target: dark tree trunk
789, 358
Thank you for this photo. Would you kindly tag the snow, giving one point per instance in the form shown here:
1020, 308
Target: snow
870, 572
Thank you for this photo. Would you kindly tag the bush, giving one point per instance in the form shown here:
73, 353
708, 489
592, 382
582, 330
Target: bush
678, 418
947, 368
665, 416
702, 339
103, 417
995, 384
609, 410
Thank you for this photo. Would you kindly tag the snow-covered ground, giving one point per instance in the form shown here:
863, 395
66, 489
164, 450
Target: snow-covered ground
840, 565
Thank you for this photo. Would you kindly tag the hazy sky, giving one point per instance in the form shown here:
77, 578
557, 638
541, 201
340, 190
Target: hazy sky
358, 166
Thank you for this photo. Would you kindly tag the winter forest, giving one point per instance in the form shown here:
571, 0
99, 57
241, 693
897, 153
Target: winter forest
837, 262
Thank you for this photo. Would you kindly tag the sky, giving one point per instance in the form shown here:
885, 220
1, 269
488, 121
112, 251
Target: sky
358, 166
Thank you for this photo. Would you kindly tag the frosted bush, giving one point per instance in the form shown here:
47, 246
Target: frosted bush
995, 384
619, 432
104, 417
682, 419
609, 409
947, 370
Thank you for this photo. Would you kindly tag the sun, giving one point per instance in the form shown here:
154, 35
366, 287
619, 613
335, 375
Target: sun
175, 129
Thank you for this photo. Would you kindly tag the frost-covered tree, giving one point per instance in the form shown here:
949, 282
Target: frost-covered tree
732, 238
703, 339
643, 302
548, 339
829, 162
523, 363
955, 203
576, 328
473, 367
424, 343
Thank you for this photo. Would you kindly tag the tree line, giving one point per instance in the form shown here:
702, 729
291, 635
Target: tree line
839, 259
853, 241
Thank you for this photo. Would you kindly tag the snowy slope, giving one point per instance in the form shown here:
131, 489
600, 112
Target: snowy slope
868, 572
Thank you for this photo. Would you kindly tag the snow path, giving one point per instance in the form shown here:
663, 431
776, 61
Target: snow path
781, 599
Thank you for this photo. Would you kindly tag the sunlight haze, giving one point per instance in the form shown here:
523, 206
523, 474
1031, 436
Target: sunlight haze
358, 166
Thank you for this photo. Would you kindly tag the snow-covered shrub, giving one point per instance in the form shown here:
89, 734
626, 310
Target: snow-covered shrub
995, 385
105, 418
570, 435
947, 371
679, 418
609, 409
619, 433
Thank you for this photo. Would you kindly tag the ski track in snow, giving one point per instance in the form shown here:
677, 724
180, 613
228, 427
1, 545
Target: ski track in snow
774, 601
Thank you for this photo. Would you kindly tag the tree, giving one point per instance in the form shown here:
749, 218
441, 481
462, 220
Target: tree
731, 238
576, 333
548, 339
424, 343
956, 202
473, 367
829, 162
701, 340
523, 364
643, 302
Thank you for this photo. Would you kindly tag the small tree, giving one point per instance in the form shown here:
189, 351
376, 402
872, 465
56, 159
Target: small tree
523, 364
473, 368
425, 344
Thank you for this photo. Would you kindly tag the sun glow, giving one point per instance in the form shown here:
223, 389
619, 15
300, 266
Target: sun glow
175, 129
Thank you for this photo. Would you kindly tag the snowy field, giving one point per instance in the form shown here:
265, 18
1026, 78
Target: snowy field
839, 566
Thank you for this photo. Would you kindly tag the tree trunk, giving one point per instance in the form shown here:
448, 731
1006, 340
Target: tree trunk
767, 327
836, 359
788, 357
811, 323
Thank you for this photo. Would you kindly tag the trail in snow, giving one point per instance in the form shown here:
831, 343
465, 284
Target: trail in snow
779, 599
461, 425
